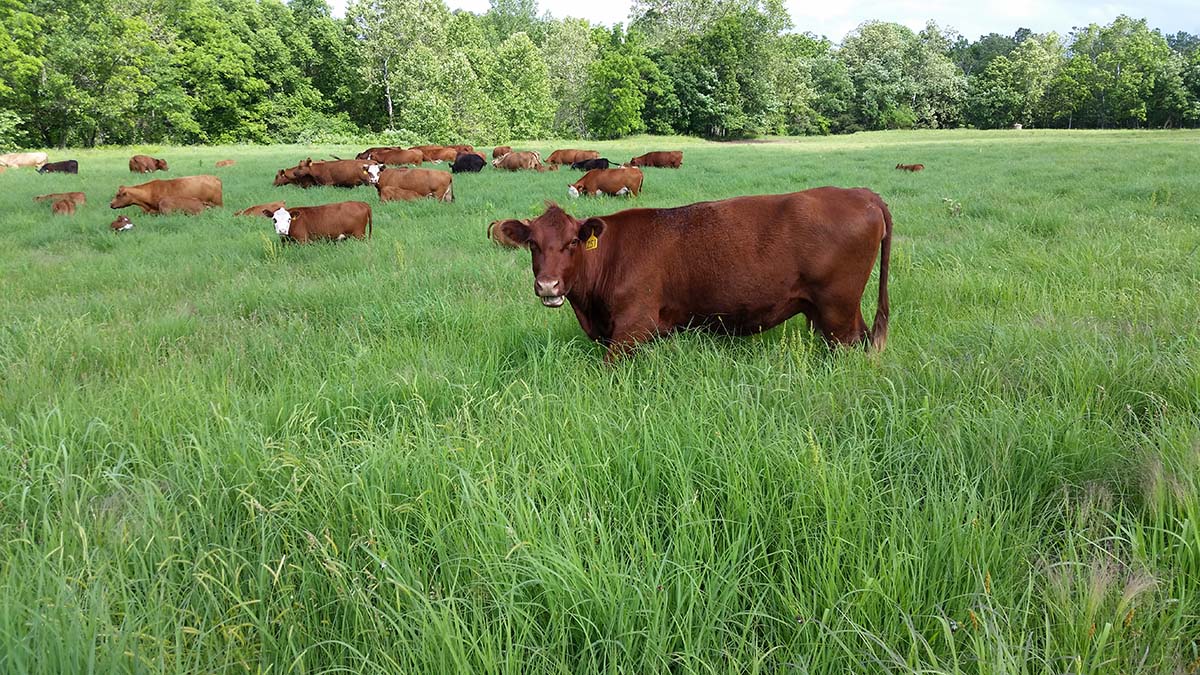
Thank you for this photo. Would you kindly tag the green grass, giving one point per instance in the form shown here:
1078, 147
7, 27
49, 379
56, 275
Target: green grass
225, 455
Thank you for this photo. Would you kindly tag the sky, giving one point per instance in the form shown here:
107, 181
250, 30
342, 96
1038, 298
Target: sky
834, 19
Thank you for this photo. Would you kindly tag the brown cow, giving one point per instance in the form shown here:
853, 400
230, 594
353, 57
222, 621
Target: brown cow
738, 266
257, 209
571, 156
366, 154
500, 151
121, 224
437, 153
391, 193
63, 207
614, 182
672, 159
78, 197
395, 156
289, 177
148, 195
186, 205
331, 221
424, 182
146, 164
345, 173
463, 148
911, 167
497, 235
516, 161
224, 163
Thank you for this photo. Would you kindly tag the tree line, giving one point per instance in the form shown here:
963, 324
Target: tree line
91, 72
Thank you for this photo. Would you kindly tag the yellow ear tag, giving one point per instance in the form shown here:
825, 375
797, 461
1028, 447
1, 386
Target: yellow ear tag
591, 243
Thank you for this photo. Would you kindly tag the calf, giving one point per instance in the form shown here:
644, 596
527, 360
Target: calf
65, 166
738, 266
147, 196
614, 182
331, 221
423, 182
589, 164
146, 164
257, 209
468, 162
911, 167
19, 159
186, 205
500, 151
78, 197
671, 159
571, 156
63, 207
121, 224
224, 163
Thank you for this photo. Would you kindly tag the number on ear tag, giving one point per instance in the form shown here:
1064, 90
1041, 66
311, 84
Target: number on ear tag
591, 243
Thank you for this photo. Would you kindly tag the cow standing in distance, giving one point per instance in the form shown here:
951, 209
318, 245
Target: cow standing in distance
65, 166
146, 164
736, 266
517, 161
332, 221
148, 196
615, 182
671, 159
571, 156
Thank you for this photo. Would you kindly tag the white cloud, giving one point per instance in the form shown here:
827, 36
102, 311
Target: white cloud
972, 19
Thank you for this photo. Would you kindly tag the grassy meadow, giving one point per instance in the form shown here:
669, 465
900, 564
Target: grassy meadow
224, 455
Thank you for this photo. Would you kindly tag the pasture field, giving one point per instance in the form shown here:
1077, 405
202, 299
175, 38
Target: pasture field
223, 455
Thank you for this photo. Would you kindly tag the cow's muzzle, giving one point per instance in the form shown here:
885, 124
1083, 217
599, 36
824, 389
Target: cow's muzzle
550, 292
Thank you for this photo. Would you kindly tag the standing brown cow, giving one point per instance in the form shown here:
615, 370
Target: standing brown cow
331, 221
571, 156
147, 196
671, 159
516, 161
738, 266
422, 182
146, 164
614, 182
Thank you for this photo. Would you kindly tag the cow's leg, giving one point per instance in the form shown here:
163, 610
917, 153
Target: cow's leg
628, 332
841, 322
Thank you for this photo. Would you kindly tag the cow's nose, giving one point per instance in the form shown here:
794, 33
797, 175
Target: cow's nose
547, 287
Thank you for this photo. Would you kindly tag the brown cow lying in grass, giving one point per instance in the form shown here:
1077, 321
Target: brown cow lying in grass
224, 163
146, 164
571, 156
911, 167
671, 159
634, 275
516, 161
121, 224
147, 196
186, 205
257, 209
63, 207
614, 182
409, 184
331, 221
78, 197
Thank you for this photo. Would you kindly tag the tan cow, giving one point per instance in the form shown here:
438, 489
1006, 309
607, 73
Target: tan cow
146, 164
571, 156
19, 159
332, 221
614, 182
78, 197
516, 161
257, 209
424, 182
148, 195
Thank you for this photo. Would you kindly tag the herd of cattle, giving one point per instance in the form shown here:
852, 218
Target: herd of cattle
737, 266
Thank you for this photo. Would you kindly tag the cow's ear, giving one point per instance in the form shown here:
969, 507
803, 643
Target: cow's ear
516, 231
592, 227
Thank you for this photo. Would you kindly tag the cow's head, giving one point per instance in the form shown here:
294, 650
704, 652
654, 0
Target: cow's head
160, 164
122, 199
282, 219
285, 177
636, 161
575, 189
371, 172
366, 154
121, 224
558, 243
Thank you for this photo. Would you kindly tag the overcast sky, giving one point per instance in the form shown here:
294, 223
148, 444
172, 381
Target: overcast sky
834, 19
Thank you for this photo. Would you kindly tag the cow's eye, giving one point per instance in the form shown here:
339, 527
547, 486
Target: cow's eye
573, 243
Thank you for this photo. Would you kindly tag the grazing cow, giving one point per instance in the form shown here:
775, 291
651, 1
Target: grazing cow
15, 160
614, 182
331, 221
186, 205
500, 151
63, 207
737, 266
148, 195
589, 164
224, 163
397, 156
422, 182
345, 173
65, 166
468, 162
78, 197
516, 161
571, 156
497, 235
672, 159
257, 209
121, 224
911, 167
146, 164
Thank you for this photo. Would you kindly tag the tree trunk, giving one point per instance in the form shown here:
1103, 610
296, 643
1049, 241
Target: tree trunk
387, 88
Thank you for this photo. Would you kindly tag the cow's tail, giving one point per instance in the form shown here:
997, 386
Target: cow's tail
879, 329
370, 224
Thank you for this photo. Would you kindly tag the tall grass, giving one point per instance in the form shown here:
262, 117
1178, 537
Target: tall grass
224, 455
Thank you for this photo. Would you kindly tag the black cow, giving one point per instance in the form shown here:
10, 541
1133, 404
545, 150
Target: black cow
589, 164
467, 162
67, 166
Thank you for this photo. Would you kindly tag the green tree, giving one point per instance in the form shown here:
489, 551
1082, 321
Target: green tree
569, 52
521, 88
